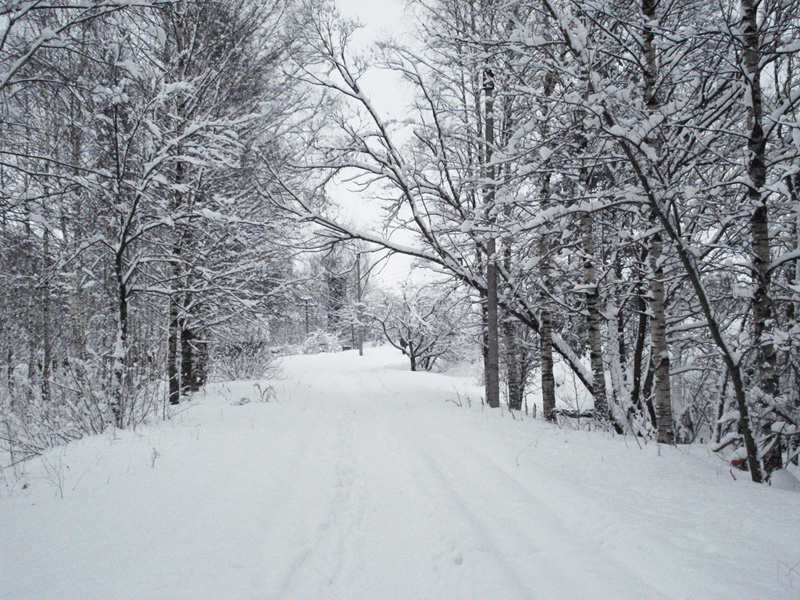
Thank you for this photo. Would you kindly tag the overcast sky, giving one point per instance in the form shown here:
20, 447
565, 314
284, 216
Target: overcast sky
377, 15
381, 19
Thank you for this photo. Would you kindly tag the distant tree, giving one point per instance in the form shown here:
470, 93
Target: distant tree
426, 323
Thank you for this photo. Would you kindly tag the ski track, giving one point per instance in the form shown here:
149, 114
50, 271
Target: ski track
362, 483
513, 508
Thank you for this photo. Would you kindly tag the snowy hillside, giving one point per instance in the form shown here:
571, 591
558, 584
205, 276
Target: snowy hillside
361, 481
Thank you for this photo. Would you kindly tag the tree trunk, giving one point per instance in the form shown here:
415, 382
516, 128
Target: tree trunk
10, 375
744, 424
514, 372
174, 334
484, 327
592, 295
360, 340
193, 359
121, 346
31, 320
173, 341
546, 363
723, 392
658, 338
181, 39
413, 359
548, 380
492, 366
187, 360
199, 362
795, 305
514, 368
658, 322
766, 357
47, 344
638, 351
76, 297
593, 318
545, 321
492, 363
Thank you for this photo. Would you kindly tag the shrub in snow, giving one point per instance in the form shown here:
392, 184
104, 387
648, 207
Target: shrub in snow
76, 403
321, 341
245, 359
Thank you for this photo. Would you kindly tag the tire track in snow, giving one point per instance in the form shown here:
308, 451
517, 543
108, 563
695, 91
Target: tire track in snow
402, 538
310, 483
534, 533
469, 517
618, 575
512, 539
319, 566
485, 566
626, 545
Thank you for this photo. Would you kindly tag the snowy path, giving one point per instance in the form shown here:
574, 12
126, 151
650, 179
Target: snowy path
362, 483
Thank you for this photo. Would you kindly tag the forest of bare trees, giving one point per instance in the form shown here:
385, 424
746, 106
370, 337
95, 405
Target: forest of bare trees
133, 237
619, 178
609, 184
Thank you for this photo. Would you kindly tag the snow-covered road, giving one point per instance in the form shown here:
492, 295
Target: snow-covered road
361, 482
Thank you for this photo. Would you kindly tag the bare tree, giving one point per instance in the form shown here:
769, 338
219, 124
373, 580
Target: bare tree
425, 323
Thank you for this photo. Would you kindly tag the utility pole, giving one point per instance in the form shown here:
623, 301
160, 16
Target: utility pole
358, 306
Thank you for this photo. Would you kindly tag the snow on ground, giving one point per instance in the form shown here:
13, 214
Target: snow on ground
362, 482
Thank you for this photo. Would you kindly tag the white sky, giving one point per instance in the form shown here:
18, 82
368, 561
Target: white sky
378, 16
381, 19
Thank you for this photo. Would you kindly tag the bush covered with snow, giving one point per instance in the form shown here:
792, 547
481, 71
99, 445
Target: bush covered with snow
320, 341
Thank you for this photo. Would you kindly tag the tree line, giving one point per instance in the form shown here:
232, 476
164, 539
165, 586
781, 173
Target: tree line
133, 239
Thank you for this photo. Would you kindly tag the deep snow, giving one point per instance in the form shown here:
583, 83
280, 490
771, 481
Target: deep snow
362, 482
